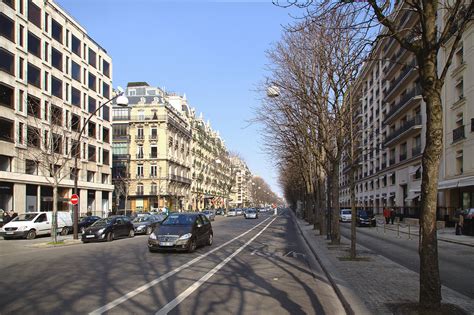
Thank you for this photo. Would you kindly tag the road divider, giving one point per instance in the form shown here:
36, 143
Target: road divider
180, 298
150, 284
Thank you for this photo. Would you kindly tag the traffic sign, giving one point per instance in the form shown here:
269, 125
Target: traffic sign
74, 199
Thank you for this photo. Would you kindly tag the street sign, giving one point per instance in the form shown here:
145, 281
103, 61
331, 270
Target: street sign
74, 199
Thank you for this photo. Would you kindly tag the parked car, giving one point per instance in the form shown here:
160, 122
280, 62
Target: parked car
365, 218
181, 231
468, 213
220, 212
251, 214
147, 223
85, 222
108, 229
210, 214
231, 213
345, 215
29, 225
238, 211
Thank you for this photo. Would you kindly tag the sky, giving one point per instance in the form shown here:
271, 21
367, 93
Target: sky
212, 51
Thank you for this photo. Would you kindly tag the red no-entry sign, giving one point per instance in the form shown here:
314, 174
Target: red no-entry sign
74, 199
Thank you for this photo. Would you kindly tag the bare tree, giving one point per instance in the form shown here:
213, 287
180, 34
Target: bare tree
425, 40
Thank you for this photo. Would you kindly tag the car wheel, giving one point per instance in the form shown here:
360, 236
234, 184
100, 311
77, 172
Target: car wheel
149, 230
131, 233
210, 239
31, 235
110, 237
192, 245
64, 231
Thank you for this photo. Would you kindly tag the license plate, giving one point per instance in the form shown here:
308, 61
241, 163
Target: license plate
90, 236
9, 233
166, 243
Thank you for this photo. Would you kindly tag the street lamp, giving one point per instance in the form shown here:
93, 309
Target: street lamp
121, 100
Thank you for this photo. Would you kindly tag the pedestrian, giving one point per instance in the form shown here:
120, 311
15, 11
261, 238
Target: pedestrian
386, 215
392, 215
460, 224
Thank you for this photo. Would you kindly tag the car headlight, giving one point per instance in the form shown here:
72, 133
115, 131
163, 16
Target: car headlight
141, 227
101, 231
153, 236
185, 236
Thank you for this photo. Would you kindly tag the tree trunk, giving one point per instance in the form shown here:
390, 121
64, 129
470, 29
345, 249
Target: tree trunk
430, 284
353, 209
321, 203
54, 223
335, 233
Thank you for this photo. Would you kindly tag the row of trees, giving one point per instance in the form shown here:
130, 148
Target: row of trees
307, 115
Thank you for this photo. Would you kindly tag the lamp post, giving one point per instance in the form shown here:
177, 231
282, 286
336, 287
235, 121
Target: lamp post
121, 101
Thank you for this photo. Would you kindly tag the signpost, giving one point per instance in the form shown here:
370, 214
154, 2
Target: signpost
74, 199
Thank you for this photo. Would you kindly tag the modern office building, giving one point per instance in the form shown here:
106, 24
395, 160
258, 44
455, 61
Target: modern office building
152, 150
52, 77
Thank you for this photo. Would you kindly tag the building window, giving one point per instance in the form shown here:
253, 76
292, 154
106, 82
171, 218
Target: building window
46, 81
57, 59
92, 104
21, 98
6, 96
21, 35
459, 55
140, 170
459, 162
34, 45
154, 152
75, 97
57, 144
34, 13
460, 90
92, 82
31, 167
139, 190
140, 152
76, 123
10, 3
106, 113
34, 137
46, 22
154, 171
105, 135
34, 106
92, 58
7, 62
105, 90
34, 75
56, 87
106, 157
56, 115
91, 129
21, 68
76, 71
57, 31
106, 69
154, 133
140, 133
76, 45
7, 27
91, 153
90, 176
7, 130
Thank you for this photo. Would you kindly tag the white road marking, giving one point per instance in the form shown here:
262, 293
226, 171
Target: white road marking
150, 284
180, 298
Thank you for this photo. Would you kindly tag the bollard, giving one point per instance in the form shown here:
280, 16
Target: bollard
409, 234
398, 230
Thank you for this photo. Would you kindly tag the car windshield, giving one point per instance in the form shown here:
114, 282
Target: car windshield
179, 219
363, 214
250, 211
25, 217
142, 219
102, 222
207, 212
346, 211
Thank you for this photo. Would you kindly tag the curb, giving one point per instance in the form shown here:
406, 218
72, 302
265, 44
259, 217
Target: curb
338, 288
66, 243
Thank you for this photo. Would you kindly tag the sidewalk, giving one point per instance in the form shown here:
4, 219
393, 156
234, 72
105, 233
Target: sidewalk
368, 280
444, 235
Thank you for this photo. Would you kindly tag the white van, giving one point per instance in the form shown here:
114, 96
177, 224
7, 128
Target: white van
30, 224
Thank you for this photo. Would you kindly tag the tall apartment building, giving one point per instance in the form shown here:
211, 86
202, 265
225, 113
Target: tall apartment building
211, 166
393, 117
52, 77
241, 191
152, 149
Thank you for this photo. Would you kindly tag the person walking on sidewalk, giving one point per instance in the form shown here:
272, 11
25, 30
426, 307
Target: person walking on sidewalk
386, 215
392, 215
460, 224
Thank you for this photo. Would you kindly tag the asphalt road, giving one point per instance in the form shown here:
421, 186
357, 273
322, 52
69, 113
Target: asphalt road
455, 261
254, 267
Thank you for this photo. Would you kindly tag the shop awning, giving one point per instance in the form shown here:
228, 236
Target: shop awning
412, 195
446, 184
467, 181
413, 169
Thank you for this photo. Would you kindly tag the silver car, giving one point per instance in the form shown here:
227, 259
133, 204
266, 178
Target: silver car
210, 214
251, 214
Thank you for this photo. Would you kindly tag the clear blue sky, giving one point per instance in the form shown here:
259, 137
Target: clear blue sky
214, 51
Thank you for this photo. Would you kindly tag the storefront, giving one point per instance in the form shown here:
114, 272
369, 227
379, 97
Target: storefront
6, 196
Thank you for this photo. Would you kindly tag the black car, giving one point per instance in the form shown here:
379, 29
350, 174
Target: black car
181, 231
365, 218
108, 229
86, 222
145, 224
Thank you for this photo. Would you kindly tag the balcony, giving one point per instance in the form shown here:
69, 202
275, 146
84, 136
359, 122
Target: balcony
139, 192
121, 157
121, 137
401, 80
412, 124
139, 138
153, 156
458, 134
408, 99
139, 155
395, 64
153, 137
180, 179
